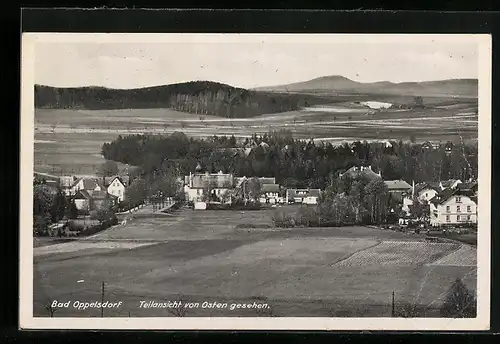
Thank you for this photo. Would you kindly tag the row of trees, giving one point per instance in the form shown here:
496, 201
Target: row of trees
294, 163
50, 206
157, 188
347, 201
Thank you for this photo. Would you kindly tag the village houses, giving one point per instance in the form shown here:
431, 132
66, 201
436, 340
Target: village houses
303, 196
217, 184
453, 206
89, 193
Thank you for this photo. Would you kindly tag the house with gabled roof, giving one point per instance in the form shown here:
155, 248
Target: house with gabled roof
358, 171
116, 186
303, 196
269, 193
427, 190
87, 200
450, 183
453, 206
217, 184
471, 186
87, 184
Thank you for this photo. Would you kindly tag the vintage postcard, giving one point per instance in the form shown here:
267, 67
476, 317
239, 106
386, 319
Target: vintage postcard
255, 181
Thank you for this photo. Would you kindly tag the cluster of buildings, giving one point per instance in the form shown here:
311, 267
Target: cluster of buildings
224, 187
450, 202
89, 193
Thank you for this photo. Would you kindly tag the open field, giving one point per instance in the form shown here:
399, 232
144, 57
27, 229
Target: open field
69, 141
201, 255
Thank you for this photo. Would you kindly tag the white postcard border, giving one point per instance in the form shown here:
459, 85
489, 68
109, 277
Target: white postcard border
26, 319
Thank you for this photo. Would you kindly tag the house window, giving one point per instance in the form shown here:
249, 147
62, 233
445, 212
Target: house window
468, 209
468, 217
447, 208
198, 192
447, 218
458, 199
458, 218
458, 208
426, 194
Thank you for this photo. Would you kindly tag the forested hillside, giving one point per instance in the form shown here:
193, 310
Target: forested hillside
198, 97
293, 162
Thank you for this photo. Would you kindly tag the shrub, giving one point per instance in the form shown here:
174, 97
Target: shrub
283, 219
307, 217
76, 227
459, 302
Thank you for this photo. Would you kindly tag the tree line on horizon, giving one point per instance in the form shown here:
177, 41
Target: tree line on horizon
197, 97
293, 162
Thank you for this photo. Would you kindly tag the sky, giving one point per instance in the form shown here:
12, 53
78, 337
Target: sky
248, 63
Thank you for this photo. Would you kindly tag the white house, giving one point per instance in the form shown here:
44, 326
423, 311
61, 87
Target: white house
218, 184
426, 191
89, 200
87, 184
453, 206
305, 196
270, 193
116, 187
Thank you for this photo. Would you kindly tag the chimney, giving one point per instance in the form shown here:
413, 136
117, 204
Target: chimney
413, 189
190, 180
220, 172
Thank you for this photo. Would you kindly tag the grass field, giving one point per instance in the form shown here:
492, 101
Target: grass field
203, 257
69, 141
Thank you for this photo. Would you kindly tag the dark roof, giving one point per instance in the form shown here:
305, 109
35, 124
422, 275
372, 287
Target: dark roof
356, 171
430, 185
96, 195
123, 179
216, 180
267, 180
467, 186
88, 183
263, 180
445, 195
448, 183
397, 185
270, 188
82, 194
308, 193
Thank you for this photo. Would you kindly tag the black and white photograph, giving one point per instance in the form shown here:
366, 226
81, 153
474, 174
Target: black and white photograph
255, 181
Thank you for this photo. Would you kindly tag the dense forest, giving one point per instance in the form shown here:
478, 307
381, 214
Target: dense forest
292, 162
198, 97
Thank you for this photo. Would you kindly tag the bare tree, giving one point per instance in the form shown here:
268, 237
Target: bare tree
181, 310
50, 309
266, 312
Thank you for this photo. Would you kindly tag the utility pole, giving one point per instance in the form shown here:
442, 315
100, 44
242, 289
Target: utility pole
102, 300
393, 310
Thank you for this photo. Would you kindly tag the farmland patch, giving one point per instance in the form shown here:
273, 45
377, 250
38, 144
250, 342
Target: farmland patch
465, 256
398, 253
80, 246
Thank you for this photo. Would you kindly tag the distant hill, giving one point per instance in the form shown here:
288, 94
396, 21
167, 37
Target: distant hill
198, 97
337, 84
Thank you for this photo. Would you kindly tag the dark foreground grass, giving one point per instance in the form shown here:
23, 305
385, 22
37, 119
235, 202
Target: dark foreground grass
202, 255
